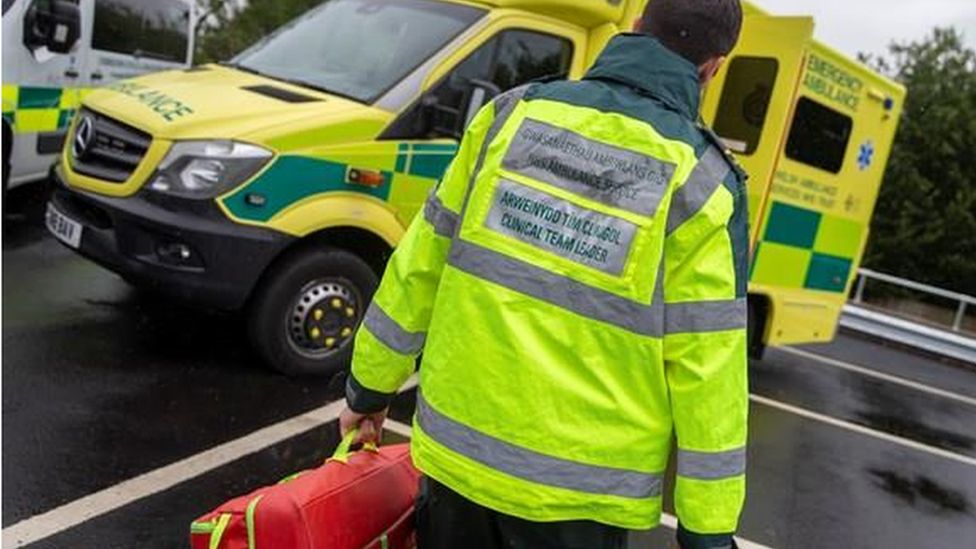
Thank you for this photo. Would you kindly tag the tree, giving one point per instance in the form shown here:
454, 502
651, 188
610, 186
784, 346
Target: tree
227, 27
925, 223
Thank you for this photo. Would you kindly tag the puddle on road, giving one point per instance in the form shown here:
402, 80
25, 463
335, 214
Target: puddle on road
920, 492
914, 430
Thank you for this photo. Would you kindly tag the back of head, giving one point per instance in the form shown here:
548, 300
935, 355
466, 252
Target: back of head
697, 30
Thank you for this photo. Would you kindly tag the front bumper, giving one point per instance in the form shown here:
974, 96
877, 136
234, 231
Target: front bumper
186, 249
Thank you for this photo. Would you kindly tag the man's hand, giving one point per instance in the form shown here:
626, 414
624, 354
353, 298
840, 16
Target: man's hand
370, 425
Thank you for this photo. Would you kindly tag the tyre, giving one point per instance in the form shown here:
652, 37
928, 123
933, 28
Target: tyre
305, 314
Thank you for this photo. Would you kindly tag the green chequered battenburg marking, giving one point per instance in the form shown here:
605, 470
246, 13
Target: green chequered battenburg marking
38, 98
792, 226
779, 265
427, 160
430, 160
293, 178
839, 237
450, 148
430, 165
403, 155
828, 273
65, 118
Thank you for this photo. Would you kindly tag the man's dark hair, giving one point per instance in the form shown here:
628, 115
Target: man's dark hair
697, 30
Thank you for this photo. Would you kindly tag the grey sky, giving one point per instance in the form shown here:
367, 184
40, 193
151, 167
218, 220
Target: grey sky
870, 25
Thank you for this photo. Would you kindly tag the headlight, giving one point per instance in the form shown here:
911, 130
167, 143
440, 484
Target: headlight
206, 169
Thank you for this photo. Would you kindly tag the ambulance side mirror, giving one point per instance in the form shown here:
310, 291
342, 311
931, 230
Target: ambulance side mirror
54, 24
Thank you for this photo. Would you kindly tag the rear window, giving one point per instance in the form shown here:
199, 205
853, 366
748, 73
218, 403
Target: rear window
745, 102
819, 136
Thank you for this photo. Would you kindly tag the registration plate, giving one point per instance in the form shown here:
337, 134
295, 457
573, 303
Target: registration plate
62, 227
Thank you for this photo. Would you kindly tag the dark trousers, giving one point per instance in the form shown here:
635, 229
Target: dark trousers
446, 520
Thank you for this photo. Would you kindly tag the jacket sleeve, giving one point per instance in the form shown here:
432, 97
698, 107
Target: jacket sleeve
395, 325
705, 344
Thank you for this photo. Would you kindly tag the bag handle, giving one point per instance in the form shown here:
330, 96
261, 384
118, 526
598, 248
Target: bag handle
344, 449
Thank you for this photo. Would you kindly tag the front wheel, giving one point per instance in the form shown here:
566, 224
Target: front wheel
305, 314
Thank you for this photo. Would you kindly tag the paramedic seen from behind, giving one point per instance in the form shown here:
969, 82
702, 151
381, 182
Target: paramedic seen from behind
577, 284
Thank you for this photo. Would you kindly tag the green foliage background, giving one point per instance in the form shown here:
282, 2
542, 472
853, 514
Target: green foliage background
227, 31
924, 227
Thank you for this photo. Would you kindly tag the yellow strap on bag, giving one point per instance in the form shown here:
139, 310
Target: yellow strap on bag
218, 532
344, 450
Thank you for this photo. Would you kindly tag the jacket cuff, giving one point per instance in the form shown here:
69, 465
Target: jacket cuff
363, 400
691, 540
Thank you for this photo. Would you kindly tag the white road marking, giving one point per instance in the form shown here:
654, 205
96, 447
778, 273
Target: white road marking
81, 510
401, 429
901, 441
61, 518
879, 375
671, 521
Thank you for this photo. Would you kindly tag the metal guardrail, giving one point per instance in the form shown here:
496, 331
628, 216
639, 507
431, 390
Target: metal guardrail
902, 330
906, 332
964, 300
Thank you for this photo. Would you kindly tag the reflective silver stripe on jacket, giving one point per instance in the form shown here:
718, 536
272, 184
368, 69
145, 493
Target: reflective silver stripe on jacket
574, 296
609, 174
712, 466
705, 316
442, 219
391, 334
705, 179
531, 465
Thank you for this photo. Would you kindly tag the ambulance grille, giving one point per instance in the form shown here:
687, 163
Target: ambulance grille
105, 148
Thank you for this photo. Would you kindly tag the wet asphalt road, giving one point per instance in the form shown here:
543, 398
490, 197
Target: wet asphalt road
102, 383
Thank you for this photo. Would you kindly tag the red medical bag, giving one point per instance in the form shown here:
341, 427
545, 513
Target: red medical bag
356, 500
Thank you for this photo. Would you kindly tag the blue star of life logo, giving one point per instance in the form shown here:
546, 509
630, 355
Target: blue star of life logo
866, 156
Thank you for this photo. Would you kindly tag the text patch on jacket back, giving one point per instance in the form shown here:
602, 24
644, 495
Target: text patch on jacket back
558, 226
611, 175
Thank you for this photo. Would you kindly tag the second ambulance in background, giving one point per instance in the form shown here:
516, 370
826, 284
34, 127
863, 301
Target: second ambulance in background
56, 51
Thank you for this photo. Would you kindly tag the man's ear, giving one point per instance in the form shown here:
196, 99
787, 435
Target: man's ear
708, 69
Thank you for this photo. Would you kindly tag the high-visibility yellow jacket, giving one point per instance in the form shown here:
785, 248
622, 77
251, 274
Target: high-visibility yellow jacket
577, 284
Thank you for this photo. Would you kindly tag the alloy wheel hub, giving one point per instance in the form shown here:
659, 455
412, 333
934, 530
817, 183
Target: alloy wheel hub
324, 317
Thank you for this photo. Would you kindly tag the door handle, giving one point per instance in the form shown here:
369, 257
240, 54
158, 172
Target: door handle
97, 76
71, 73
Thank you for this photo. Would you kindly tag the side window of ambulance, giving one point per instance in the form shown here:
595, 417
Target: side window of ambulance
156, 29
524, 56
819, 136
745, 101
507, 60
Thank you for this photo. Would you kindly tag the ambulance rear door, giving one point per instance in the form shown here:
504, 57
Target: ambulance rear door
750, 102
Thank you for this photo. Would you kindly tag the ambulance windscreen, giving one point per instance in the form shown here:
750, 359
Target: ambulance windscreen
358, 48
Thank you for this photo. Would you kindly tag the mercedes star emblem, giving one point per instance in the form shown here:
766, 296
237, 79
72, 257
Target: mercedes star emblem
84, 135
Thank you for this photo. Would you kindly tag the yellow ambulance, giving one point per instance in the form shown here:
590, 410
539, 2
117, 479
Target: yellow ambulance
278, 183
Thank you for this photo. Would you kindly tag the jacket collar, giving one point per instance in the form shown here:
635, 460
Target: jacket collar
643, 63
